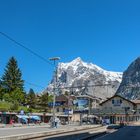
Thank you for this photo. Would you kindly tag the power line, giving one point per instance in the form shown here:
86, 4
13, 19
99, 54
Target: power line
30, 51
35, 85
26, 48
86, 86
42, 58
72, 87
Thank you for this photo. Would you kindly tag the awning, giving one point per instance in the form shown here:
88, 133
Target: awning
22, 116
35, 118
89, 116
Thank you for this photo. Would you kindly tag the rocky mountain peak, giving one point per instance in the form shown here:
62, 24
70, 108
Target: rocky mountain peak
129, 87
135, 65
76, 61
84, 76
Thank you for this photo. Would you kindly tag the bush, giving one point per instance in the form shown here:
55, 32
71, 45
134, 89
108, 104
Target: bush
14, 106
4, 106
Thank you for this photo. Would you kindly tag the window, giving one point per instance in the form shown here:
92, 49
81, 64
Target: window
112, 101
63, 109
116, 102
57, 109
118, 118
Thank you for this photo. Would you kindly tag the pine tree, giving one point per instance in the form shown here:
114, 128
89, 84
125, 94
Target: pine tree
12, 83
31, 98
1, 91
12, 78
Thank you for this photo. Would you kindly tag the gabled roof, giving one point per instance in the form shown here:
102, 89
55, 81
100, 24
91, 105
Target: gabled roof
136, 101
61, 98
88, 96
117, 96
65, 98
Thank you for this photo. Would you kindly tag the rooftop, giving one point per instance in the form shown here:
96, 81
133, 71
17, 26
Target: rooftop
136, 101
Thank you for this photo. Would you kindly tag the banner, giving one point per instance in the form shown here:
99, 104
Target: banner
81, 103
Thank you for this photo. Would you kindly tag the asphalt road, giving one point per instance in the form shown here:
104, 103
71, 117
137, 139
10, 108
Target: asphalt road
77, 135
29, 129
126, 133
33, 130
16, 130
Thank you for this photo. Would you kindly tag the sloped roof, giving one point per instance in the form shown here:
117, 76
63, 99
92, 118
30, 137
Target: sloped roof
88, 96
136, 101
63, 97
117, 96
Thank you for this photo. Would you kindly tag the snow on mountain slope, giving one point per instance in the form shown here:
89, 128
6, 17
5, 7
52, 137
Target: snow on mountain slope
130, 85
88, 78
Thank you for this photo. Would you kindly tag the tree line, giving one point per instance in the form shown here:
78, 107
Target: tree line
12, 90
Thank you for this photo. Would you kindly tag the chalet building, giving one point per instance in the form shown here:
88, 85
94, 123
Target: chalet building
118, 109
63, 106
73, 106
64, 103
82, 102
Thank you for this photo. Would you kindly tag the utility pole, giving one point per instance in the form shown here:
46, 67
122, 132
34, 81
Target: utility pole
54, 59
68, 108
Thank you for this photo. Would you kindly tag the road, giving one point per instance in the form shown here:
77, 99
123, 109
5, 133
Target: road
23, 130
126, 133
12, 132
76, 135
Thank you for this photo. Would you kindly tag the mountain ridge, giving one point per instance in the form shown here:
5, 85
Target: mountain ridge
77, 73
130, 85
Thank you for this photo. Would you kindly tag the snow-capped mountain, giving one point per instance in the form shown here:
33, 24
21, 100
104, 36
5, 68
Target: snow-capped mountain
86, 78
130, 85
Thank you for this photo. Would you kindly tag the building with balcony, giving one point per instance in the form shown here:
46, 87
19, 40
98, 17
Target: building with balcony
118, 109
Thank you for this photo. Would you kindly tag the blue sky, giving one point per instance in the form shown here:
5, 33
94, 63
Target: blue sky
105, 32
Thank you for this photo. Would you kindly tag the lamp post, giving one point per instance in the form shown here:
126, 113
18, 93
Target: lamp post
54, 59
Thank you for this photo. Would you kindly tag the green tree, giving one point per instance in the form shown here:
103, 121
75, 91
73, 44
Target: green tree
1, 91
14, 106
31, 98
44, 100
7, 97
15, 97
12, 78
66, 93
12, 83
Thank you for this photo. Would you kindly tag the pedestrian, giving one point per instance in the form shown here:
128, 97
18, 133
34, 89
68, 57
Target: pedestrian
56, 121
11, 121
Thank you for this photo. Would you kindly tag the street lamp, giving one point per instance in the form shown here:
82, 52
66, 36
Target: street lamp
54, 59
